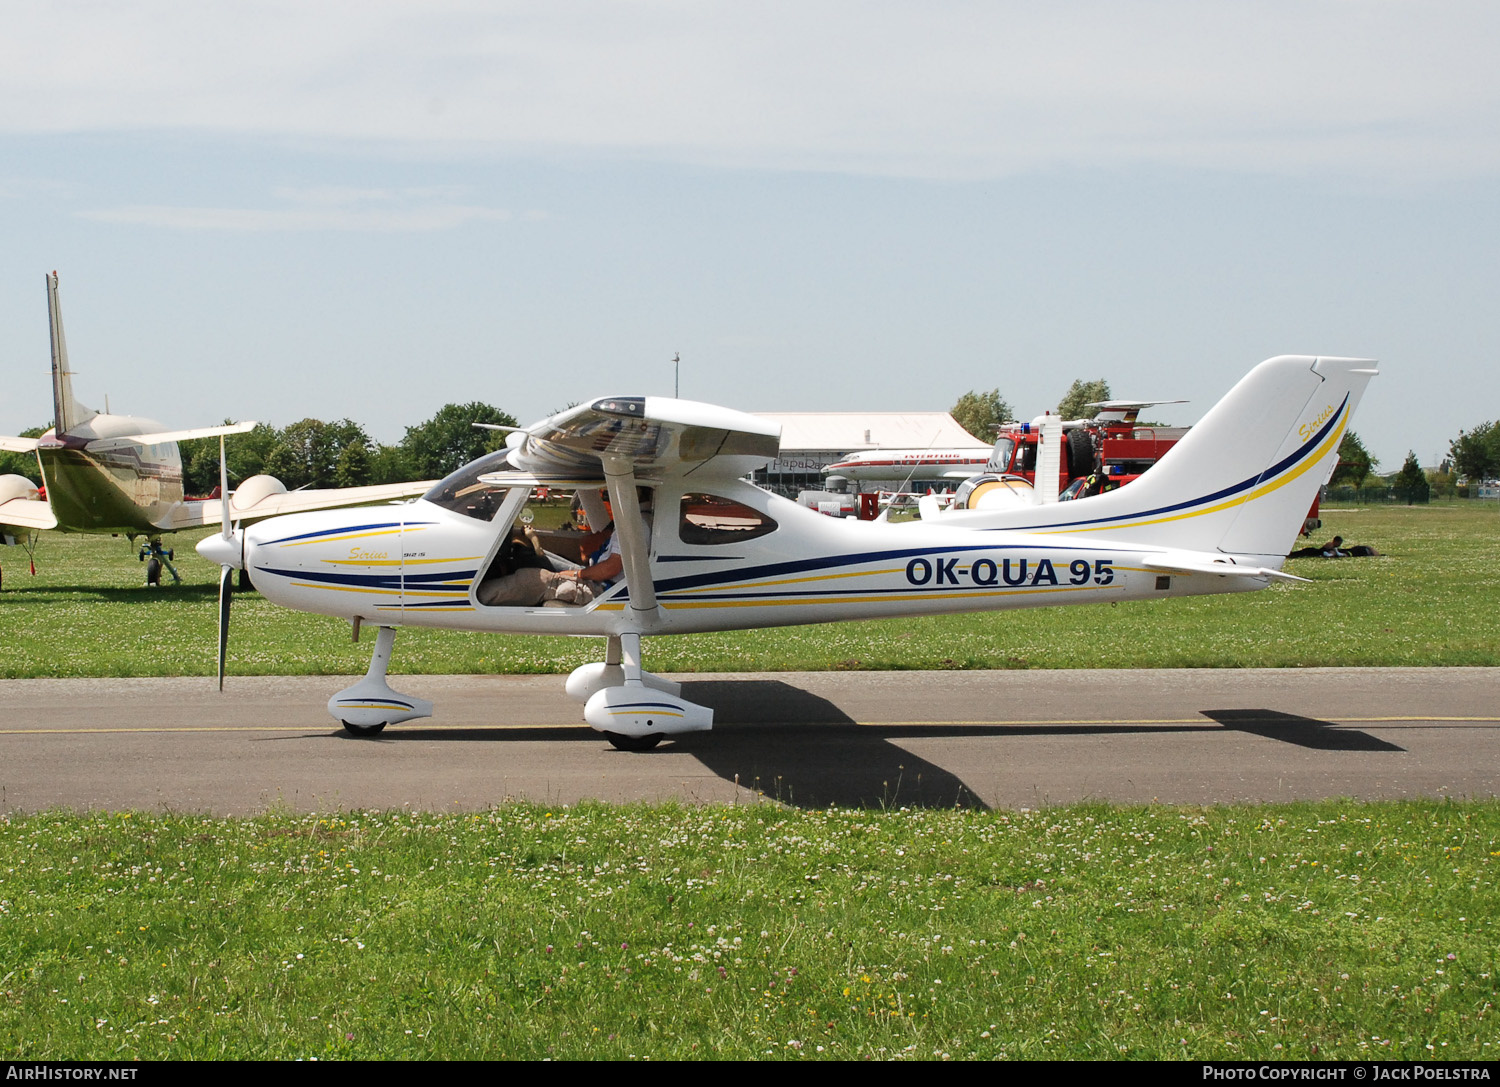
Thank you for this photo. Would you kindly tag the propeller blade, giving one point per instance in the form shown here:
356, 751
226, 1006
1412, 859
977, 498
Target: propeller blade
224, 527
226, 594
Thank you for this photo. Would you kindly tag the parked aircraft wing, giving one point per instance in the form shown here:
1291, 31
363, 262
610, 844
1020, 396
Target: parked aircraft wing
197, 514
32, 514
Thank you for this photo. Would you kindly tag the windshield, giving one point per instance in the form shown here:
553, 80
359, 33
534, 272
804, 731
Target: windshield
1000, 456
463, 493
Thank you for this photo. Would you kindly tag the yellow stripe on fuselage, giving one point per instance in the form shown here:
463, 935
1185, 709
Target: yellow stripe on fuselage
397, 562
345, 588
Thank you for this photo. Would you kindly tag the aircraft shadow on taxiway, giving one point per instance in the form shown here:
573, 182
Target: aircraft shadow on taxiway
802, 750
786, 743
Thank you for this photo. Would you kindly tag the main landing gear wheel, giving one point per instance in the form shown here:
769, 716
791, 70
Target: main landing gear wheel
621, 742
362, 730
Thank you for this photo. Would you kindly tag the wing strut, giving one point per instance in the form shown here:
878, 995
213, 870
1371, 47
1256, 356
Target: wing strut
630, 524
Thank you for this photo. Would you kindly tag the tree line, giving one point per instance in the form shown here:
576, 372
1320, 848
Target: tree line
315, 453
981, 413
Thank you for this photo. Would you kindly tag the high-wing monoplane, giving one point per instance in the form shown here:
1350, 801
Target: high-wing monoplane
122, 475
701, 549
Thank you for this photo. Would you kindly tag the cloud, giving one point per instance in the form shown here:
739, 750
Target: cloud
316, 208
951, 88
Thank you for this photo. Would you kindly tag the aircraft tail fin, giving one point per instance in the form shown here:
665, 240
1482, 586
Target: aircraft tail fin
66, 411
1243, 478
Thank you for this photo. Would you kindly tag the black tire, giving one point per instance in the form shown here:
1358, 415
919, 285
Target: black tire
362, 731
1080, 454
153, 571
632, 743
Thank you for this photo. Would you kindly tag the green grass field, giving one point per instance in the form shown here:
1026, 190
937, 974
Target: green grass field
1332, 930
1300, 932
1429, 600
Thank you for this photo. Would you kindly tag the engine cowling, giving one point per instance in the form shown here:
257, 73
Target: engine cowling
994, 492
253, 491
12, 487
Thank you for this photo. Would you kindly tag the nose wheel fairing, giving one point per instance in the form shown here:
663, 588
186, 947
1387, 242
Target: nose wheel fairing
371, 704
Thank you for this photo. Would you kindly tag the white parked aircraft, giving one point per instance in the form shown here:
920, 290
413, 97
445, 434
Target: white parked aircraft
122, 475
881, 464
1217, 514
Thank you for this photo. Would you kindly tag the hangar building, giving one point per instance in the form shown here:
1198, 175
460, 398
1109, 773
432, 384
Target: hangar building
811, 440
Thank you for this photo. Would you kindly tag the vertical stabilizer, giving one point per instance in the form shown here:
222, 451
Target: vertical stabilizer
66, 412
1240, 482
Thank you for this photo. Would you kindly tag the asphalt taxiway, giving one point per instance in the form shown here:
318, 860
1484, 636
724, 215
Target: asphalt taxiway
983, 739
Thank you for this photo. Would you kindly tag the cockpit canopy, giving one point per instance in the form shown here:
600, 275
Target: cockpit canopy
462, 492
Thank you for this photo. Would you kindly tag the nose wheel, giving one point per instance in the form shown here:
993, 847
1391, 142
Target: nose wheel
368, 706
160, 558
620, 742
362, 730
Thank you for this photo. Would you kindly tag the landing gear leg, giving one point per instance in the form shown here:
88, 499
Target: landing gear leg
368, 706
160, 557
589, 679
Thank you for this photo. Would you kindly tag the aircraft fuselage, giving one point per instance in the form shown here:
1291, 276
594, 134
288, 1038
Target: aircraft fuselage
97, 482
420, 564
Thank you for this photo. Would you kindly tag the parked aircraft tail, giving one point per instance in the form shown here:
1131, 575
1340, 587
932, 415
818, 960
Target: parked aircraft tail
67, 413
1241, 481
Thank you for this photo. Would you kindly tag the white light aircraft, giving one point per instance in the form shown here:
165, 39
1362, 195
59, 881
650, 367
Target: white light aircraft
1217, 514
122, 475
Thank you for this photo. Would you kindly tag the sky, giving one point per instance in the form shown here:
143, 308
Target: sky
273, 210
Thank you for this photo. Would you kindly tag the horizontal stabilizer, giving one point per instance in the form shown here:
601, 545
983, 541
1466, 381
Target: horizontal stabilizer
17, 445
1208, 564
1126, 405
162, 436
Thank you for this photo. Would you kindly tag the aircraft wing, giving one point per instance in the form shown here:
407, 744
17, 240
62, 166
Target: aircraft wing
161, 436
32, 514
628, 439
654, 435
959, 473
17, 445
197, 513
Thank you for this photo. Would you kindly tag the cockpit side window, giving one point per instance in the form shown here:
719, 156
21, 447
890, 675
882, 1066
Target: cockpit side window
463, 493
708, 519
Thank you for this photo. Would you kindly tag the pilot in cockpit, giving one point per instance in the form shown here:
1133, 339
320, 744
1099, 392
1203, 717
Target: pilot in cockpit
529, 576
